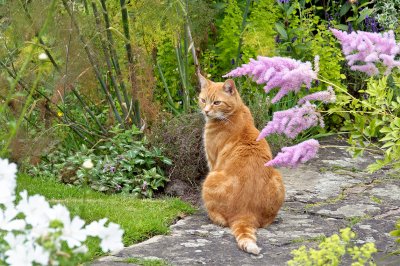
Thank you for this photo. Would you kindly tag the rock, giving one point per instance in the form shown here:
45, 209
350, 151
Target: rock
324, 196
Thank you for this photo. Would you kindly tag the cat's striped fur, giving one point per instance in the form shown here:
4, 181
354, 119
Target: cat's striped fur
239, 191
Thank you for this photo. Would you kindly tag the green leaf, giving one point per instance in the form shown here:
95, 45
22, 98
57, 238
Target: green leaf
388, 144
281, 30
363, 14
290, 10
385, 130
342, 27
397, 122
345, 8
349, 19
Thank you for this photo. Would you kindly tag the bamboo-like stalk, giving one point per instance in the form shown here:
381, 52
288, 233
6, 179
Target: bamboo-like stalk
191, 42
169, 97
132, 74
107, 59
114, 57
77, 95
73, 89
245, 14
94, 66
181, 70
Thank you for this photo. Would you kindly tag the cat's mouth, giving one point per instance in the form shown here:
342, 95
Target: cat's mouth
219, 117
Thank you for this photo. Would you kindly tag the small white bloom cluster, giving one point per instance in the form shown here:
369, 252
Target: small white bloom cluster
33, 232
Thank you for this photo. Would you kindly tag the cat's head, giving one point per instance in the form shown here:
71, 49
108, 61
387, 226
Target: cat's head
218, 100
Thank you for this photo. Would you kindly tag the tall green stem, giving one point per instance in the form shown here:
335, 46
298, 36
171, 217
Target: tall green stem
107, 58
132, 74
114, 57
94, 65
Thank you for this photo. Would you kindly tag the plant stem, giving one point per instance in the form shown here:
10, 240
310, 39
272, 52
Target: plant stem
114, 57
185, 98
94, 66
53, 62
169, 97
132, 74
245, 14
107, 58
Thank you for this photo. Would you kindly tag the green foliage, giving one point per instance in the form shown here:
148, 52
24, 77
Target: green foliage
351, 14
122, 164
375, 117
396, 232
387, 13
290, 30
331, 251
166, 60
330, 56
228, 39
259, 34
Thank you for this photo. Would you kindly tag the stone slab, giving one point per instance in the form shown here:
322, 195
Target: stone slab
332, 192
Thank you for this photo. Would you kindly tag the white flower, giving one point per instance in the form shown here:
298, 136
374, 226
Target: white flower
111, 236
82, 249
7, 182
73, 232
23, 252
88, 164
7, 195
43, 56
6, 220
60, 213
35, 208
7, 170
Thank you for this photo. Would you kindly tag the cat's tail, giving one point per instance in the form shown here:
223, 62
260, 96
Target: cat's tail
245, 233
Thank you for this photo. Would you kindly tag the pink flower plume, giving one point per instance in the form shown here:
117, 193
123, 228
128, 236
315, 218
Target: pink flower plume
294, 155
292, 121
365, 51
278, 72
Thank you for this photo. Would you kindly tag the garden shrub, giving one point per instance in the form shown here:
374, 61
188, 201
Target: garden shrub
259, 35
122, 163
387, 14
376, 117
181, 139
229, 35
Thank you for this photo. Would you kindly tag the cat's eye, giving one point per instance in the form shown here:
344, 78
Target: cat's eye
217, 102
203, 100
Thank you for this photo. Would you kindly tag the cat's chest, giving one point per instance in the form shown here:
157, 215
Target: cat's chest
215, 142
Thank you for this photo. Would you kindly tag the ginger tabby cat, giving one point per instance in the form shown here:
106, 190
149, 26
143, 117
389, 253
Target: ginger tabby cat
239, 191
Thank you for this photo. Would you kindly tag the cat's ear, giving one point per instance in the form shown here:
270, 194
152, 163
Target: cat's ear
203, 81
229, 87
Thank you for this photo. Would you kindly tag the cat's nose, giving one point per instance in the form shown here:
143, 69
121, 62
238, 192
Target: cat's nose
206, 111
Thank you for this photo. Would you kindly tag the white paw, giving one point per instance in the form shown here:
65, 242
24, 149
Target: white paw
253, 248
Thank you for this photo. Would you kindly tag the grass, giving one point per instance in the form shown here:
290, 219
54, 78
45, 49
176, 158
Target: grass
140, 219
147, 262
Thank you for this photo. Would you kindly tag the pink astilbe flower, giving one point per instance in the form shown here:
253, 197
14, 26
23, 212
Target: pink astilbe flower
294, 155
277, 72
327, 96
365, 51
292, 121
